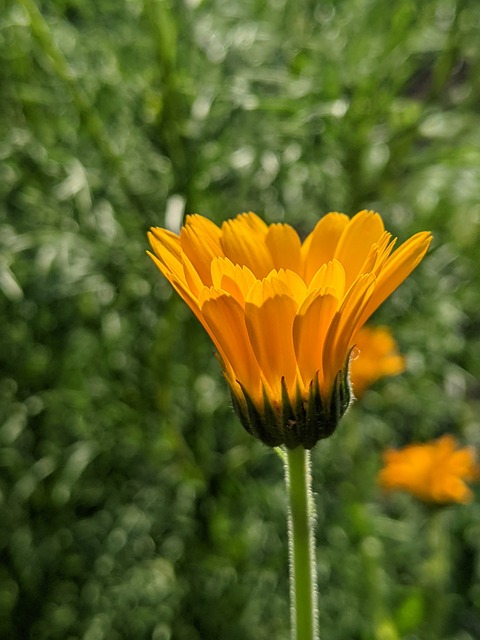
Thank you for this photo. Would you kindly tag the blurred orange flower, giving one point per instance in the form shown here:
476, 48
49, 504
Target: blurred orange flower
377, 357
284, 315
434, 472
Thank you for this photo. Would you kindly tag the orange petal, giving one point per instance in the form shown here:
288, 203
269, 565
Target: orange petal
288, 282
397, 268
269, 320
166, 246
331, 274
243, 243
284, 245
184, 292
272, 285
234, 279
384, 248
343, 327
364, 229
226, 321
200, 241
309, 330
319, 247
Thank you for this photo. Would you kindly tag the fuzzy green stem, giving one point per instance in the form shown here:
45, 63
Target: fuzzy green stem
303, 592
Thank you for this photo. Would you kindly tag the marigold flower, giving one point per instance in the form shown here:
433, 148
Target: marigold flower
375, 356
284, 315
434, 472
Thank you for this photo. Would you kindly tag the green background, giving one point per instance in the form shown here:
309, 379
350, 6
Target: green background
132, 503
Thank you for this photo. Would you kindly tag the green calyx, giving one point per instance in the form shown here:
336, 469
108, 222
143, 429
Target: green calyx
301, 423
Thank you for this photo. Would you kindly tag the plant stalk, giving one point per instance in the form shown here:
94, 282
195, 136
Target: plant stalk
303, 593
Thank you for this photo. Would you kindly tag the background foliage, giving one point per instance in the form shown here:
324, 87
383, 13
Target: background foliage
133, 505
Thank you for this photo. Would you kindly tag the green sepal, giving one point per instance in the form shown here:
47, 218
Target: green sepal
288, 420
240, 408
258, 424
271, 418
301, 423
341, 396
315, 415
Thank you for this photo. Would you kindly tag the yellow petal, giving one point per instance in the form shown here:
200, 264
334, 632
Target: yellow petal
234, 279
200, 241
309, 330
288, 282
397, 268
166, 246
193, 280
165, 269
331, 274
269, 319
183, 289
364, 229
243, 242
253, 222
319, 247
378, 254
271, 286
168, 250
384, 248
344, 325
226, 321
284, 245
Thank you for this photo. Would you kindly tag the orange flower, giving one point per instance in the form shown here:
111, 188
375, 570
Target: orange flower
284, 315
377, 357
434, 472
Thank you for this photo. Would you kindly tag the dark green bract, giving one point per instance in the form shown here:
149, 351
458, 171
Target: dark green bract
302, 423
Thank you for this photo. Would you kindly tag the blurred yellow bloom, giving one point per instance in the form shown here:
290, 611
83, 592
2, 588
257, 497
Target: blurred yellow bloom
434, 472
282, 314
375, 356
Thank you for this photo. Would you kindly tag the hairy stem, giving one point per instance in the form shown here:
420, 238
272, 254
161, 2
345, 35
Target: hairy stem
301, 545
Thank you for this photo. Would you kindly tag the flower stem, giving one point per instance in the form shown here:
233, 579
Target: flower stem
301, 545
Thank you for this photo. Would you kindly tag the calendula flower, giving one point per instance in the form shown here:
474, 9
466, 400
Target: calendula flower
375, 356
434, 472
284, 314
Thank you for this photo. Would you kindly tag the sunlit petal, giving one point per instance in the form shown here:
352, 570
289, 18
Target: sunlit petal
397, 268
353, 253
200, 241
284, 245
320, 246
226, 321
343, 327
243, 242
331, 274
269, 323
309, 330
291, 284
232, 278
166, 246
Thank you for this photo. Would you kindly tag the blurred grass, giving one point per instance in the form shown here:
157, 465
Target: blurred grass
132, 503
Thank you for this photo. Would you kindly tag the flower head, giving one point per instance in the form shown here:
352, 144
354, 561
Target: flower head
284, 314
376, 356
434, 472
